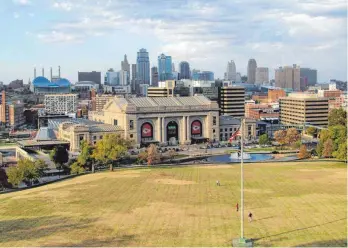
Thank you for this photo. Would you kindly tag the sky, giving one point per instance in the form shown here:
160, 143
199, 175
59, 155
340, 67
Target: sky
86, 35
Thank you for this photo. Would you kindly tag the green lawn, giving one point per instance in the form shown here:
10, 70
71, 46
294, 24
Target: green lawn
294, 204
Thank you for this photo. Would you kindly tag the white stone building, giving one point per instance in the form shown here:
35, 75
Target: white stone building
163, 120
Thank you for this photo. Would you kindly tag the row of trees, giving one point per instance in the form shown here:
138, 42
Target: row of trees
288, 137
333, 141
110, 150
27, 171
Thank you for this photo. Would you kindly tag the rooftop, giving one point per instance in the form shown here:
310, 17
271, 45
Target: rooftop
229, 120
169, 101
301, 95
44, 82
54, 123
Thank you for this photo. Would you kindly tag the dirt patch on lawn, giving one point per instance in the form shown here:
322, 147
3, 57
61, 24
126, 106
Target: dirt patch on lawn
172, 181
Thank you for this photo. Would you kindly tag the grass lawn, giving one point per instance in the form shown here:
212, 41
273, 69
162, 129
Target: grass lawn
294, 204
7, 144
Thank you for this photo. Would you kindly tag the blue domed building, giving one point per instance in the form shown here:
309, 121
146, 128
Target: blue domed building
42, 85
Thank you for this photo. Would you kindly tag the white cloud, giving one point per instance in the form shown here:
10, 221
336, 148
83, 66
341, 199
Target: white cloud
210, 32
64, 5
22, 2
59, 37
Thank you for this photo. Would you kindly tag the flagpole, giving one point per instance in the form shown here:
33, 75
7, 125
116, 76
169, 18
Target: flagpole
241, 184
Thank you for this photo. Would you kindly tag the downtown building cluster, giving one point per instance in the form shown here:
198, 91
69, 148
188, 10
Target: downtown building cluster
166, 105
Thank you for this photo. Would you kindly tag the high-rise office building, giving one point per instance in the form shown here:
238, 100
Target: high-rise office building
202, 75
231, 72
300, 108
165, 67
154, 76
125, 66
143, 67
308, 77
288, 77
134, 76
184, 70
252, 71
93, 76
261, 75
117, 78
231, 101
173, 67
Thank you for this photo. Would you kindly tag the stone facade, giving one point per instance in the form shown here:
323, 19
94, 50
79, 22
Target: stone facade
163, 120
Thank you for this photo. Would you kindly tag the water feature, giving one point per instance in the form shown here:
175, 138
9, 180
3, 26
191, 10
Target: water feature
237, 155
249, 157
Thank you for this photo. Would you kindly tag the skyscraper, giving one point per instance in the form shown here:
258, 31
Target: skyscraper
202, 75
308, 77
134, 76
126, 67
184, 70
252, 71
261, 75
143, 67
288, 77
231, 71
154, 76
165, 67
173, 67
118, 78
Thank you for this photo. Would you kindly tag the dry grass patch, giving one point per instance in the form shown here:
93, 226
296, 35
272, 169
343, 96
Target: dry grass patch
182, 206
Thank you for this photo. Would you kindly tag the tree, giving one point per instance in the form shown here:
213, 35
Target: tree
264, 140
303, 153
15, 176
324, 135
77, 168
292, 135
85, 158
341, 153
4, 180
328, 149
110, 149
338, 134
41, 167
311, 131
338, 117
59, 156
280, 137
152, 155
29, 170
142, 157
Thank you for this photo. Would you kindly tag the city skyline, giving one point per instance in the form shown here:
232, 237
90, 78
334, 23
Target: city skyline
81, 36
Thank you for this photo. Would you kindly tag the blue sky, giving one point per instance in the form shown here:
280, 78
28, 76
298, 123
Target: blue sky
84, 35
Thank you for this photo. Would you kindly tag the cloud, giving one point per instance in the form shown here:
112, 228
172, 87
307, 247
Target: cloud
63, 5
22, 2
210, 32
59, 37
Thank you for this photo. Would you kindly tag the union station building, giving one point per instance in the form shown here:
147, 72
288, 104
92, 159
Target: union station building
163, 120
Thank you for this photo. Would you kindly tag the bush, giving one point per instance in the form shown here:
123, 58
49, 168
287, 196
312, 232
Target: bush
275, 152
